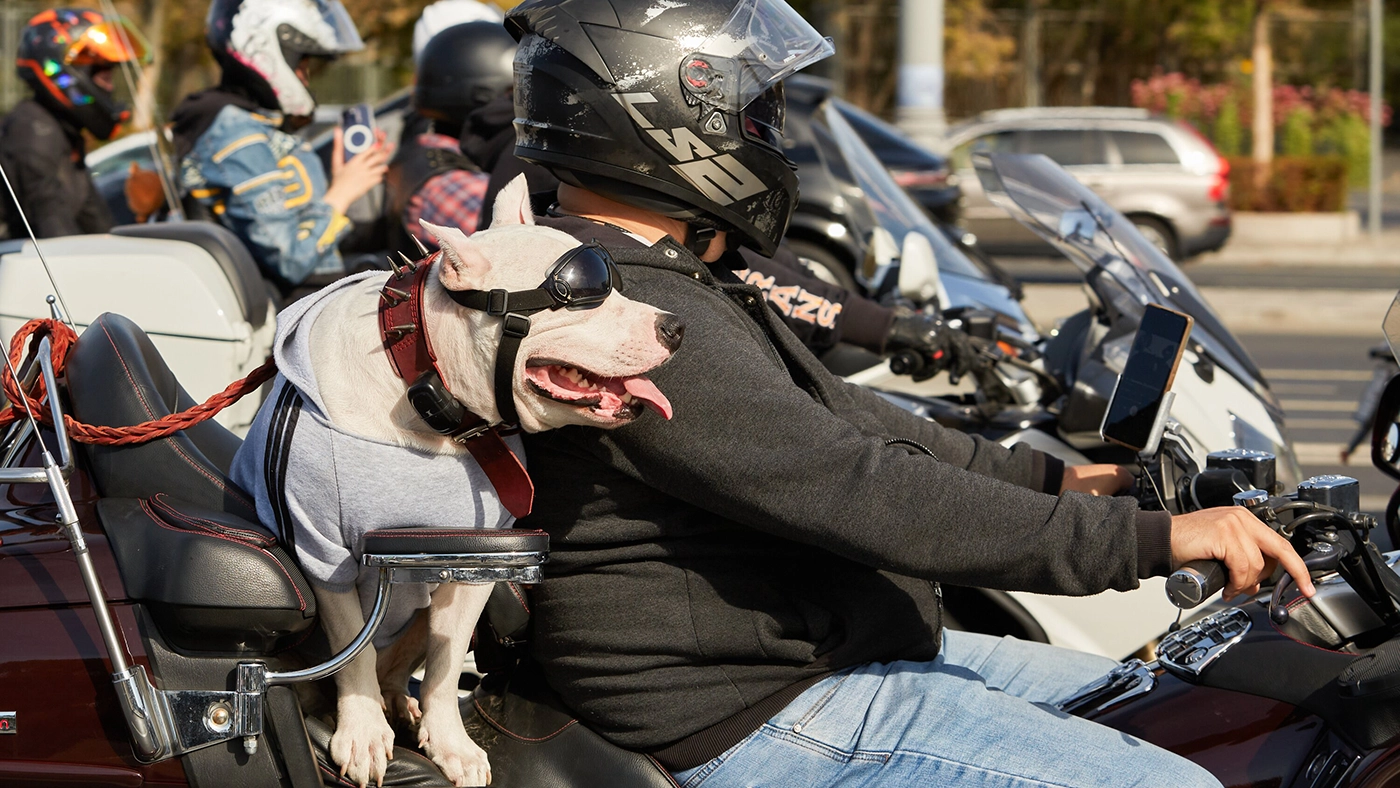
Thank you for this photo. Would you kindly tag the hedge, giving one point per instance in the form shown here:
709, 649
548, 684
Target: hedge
1296, 184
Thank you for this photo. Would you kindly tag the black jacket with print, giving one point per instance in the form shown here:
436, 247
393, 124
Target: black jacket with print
703, 571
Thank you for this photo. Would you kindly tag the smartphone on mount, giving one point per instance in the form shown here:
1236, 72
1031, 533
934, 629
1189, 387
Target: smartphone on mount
1138, 408
357, 124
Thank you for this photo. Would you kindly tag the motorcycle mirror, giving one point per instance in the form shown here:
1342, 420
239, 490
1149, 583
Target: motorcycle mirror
1078, 225
919, 280
1385, 431
880, 250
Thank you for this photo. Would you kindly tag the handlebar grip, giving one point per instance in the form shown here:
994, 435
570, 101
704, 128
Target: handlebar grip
1195, 582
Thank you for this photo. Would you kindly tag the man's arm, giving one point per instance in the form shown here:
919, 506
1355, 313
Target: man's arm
34, 164
749, 445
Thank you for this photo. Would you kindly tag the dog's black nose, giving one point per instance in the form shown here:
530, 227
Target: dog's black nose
669, 330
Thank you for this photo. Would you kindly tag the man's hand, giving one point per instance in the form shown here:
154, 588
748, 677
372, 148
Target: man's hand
144, 193
1096, 479
944, 347
1249, 549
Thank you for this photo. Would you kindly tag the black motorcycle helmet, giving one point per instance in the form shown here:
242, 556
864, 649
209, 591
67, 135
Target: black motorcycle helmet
462, 68
673, 108
259, 43
59, 52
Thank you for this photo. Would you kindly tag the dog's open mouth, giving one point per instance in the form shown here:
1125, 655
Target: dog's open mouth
616, 398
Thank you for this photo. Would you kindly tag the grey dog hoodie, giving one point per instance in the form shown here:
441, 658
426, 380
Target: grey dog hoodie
320, 487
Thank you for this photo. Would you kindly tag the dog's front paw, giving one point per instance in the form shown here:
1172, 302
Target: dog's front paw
363, 742
442, 738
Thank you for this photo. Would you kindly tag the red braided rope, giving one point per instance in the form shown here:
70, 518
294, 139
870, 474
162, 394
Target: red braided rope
62, 339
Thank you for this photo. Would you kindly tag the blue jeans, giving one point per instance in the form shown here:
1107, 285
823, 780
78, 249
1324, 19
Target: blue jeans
980, 714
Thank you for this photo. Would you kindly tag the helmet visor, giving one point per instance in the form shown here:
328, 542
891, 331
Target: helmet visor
108, 43
344, 38
762, 43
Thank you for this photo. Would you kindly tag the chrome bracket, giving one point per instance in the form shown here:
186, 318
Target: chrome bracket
1127, 681
1188, 651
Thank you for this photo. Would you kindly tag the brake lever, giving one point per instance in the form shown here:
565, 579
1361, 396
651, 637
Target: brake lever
1322, 557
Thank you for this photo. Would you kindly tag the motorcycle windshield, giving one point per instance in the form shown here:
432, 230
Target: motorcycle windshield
1391, 326
1038, 193
896, 211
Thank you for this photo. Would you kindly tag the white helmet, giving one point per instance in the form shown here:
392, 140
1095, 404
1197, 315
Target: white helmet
447, 13
259, 43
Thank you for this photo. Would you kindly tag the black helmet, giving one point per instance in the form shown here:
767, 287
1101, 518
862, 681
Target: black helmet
675, 108
462, 68
58, 52
258, 44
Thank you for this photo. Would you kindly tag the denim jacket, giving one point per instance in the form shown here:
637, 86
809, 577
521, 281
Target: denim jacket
268, 187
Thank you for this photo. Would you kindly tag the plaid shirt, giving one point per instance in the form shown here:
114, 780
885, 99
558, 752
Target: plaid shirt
452, 199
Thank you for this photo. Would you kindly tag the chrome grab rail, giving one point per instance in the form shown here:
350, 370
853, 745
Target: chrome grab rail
168, 723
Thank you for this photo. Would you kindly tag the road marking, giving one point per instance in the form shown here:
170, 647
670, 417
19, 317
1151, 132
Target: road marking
1330, 454
1317, 405
1318, 374
1304, 389
1321, 424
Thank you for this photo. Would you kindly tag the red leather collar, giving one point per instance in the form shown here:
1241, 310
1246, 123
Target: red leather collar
405, 333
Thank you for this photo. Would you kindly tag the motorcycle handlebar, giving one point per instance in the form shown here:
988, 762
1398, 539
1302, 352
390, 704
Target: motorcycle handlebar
1195, 582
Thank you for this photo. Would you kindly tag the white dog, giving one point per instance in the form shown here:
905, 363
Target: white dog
338, 450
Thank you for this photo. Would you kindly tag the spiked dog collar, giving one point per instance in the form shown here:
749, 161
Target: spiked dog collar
404, 329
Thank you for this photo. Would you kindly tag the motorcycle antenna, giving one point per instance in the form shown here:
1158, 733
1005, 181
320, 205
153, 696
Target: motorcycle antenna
67, 316
134, 73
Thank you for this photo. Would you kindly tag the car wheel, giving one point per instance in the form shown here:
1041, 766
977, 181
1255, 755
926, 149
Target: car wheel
823, 264
1159, 235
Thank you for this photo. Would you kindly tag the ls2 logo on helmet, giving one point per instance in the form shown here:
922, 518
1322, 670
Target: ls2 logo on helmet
721, 178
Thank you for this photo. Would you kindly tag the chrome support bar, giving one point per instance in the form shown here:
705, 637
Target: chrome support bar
376, 616
60, 430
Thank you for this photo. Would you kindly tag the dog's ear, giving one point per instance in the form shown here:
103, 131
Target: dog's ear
513, 204
464, 267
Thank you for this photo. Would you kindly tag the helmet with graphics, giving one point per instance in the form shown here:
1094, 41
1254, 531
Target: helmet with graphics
260, 43
67, 56
673, 107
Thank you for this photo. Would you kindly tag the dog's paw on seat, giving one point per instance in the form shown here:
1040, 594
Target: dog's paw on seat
363, 742
402, 710
443, 739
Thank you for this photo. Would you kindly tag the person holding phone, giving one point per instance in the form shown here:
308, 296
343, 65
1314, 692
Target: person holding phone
239, 158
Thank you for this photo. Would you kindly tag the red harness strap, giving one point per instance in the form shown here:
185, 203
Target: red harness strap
405, 333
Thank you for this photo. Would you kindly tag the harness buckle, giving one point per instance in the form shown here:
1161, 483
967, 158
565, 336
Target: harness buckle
496, 302
517, 326
468, 435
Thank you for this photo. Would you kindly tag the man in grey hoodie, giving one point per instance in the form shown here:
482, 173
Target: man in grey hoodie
749, 592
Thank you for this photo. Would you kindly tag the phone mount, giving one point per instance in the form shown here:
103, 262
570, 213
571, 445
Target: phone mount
1159, 427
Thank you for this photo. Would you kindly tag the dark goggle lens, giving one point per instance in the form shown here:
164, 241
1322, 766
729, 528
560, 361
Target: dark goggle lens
766, 116
583, 278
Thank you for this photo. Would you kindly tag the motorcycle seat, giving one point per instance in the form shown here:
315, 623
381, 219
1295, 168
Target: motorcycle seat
212, 581
534, 741
117, 378
227, 250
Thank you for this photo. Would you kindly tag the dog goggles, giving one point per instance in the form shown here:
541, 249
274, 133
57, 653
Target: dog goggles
582, 279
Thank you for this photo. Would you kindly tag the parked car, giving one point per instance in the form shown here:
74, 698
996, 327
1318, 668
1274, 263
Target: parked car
1162, 174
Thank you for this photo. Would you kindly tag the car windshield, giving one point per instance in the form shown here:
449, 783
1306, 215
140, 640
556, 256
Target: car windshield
1094, 236
895, 210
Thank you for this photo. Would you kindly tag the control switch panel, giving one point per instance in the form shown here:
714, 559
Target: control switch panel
1190, 650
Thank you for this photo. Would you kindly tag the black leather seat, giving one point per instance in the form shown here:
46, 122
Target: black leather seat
226, 249
533, 741
116, 378
212, 582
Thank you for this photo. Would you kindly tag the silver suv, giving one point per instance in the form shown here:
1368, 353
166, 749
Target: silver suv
1162, 174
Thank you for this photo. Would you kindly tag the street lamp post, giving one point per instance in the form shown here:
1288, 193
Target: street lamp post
920, 97
1373, 206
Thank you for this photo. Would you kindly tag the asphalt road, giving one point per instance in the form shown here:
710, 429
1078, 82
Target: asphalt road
1319, 381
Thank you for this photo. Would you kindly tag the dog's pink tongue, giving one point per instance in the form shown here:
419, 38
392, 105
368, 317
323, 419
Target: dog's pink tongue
646, 391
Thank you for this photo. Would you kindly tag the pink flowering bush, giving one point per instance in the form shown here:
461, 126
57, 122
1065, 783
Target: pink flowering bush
1328, 121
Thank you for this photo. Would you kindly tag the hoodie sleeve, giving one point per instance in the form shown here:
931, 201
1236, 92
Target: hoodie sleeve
747, 444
